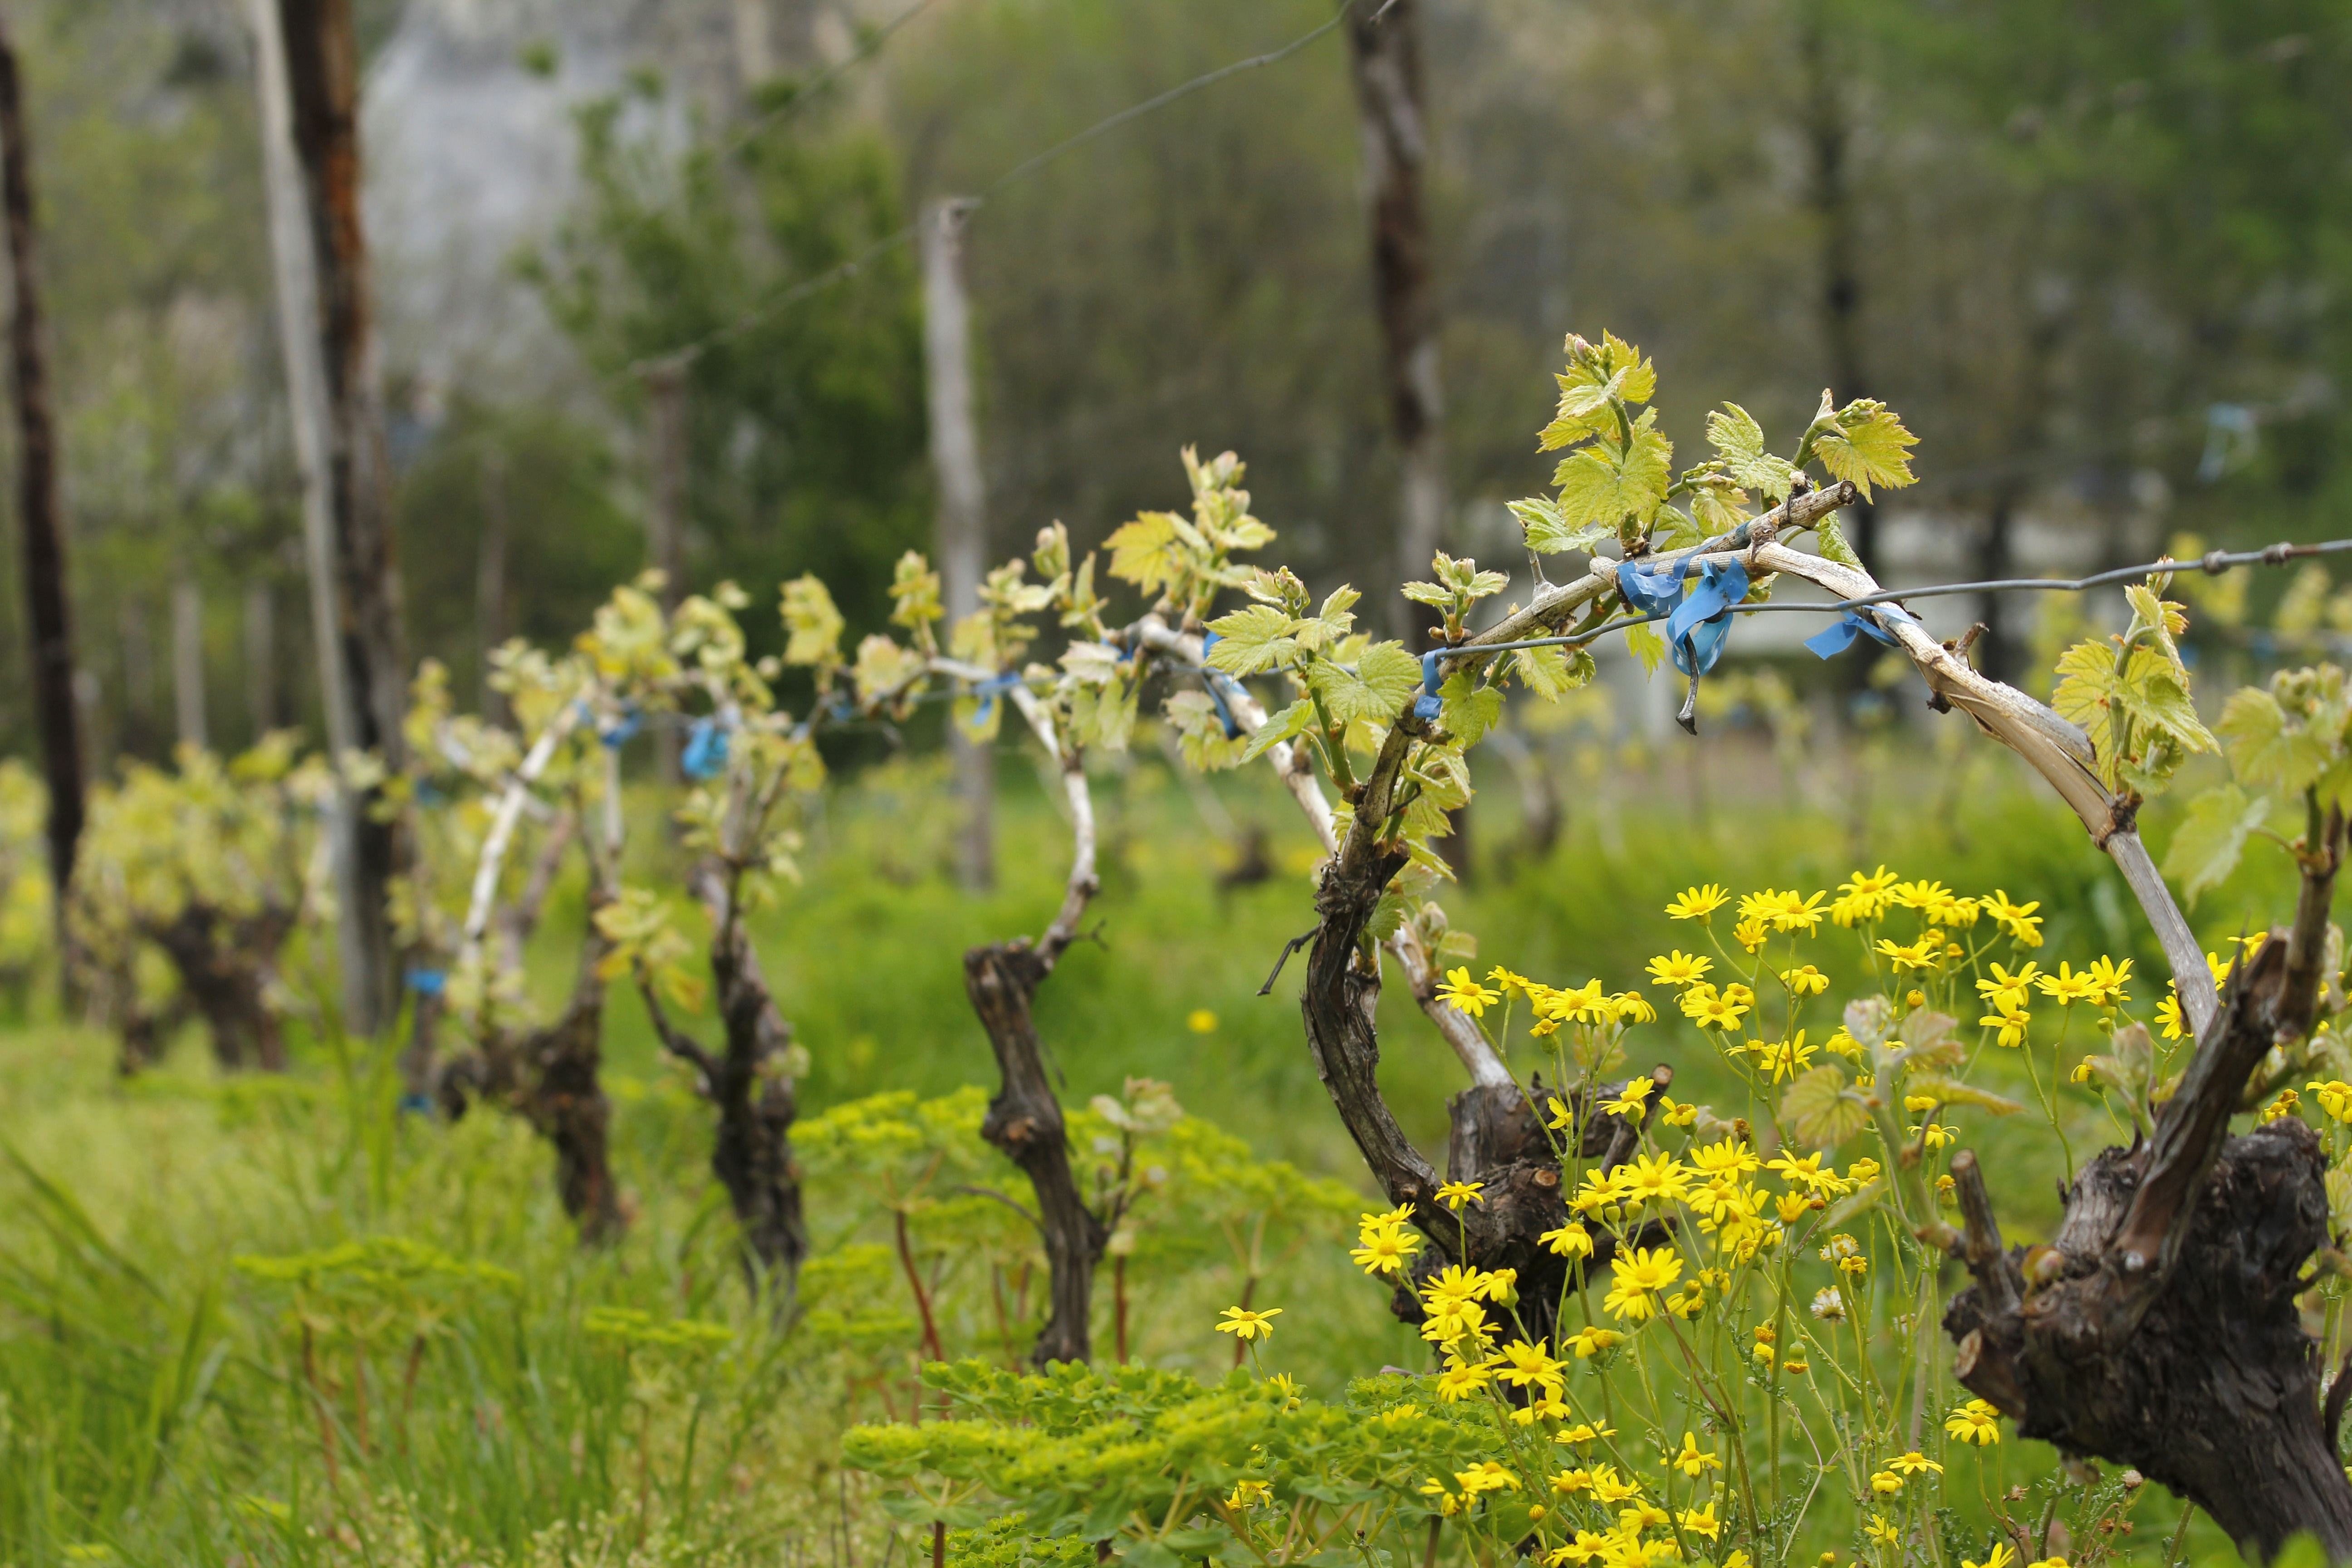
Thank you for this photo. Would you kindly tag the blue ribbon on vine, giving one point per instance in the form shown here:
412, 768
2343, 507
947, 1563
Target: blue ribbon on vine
1698, 619
1209, 678
427, 982
706, 750
986, 691
1428, 705
632, 720
1833, 640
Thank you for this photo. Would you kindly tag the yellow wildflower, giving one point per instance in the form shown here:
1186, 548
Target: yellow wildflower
1466, 995
1701, 1522
1636, 1276
1245, 1325
1697, 903
1567, 1483
2335, 1098
1914, 1463
1886, 1483
1884, 1534
1679, 968
1727, 1157
1462, 1380
1488, 1476
1710, 1009
1917, 954
2168, 1014
1611, 1487
1690, 1461
2018, 919
1570, 1240
1524, 1365
1786, 1059
1386, 1251
1805, 980
2066, 987
1249, 1494
1752, 935
1453, 1195
1587, 1342
1975, 1422
1632, 1099
1807, 1172
2000, 1556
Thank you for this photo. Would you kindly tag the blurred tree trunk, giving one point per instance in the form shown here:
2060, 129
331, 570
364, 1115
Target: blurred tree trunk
310, 90
666, 520
188, 661
260, 658
1829, 144
962, 538
37, 495
1384, 49
490, 578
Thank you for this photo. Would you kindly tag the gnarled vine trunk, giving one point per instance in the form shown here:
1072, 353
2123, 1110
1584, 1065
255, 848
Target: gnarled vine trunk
2160, 1329
1025, 1120
746, 1081
226, 964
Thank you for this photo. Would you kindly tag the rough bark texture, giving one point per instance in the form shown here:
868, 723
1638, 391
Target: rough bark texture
2160, 1330
549, 1076
754, 1095
1497, 1138
226, 964
322, 74
1025, 1120
37, 493
1383, 42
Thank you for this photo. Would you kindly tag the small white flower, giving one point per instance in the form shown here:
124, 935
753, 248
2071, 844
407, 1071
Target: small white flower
1829, 1306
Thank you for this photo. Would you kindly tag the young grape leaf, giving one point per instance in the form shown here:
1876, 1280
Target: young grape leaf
1867, 444
1733, 432
2206, 848
1646, 644
1822, 1109
1253, 639
1469, 709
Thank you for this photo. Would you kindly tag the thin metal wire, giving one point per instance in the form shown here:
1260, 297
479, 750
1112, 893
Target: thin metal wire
687, 352
2212, 563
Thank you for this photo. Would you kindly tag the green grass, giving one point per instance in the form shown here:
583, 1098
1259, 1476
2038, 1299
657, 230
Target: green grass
156, 1401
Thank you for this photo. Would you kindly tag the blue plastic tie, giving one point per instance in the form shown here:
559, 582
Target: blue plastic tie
1833, 640
1210, 677
414, 1104
1428, 706
427, 982
986, 691
631, 720
1698, 620
706, 750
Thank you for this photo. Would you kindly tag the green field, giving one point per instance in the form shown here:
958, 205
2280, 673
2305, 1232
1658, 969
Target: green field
160, 1403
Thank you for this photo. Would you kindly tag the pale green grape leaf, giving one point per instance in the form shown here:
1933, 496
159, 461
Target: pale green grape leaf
1822, 1109
2087, 685
1253, 639
2268, 750
1546, 531
1733, 432
1549, 672
2206, 847
1390, 674
1147, 552
1830, 539
2157, 695
1670, 530
1427, 593
1469, 710
1647, 645
1867, 444
1599, 484
1719, 508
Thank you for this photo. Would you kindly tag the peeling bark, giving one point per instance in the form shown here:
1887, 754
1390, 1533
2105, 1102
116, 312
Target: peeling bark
226, 964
